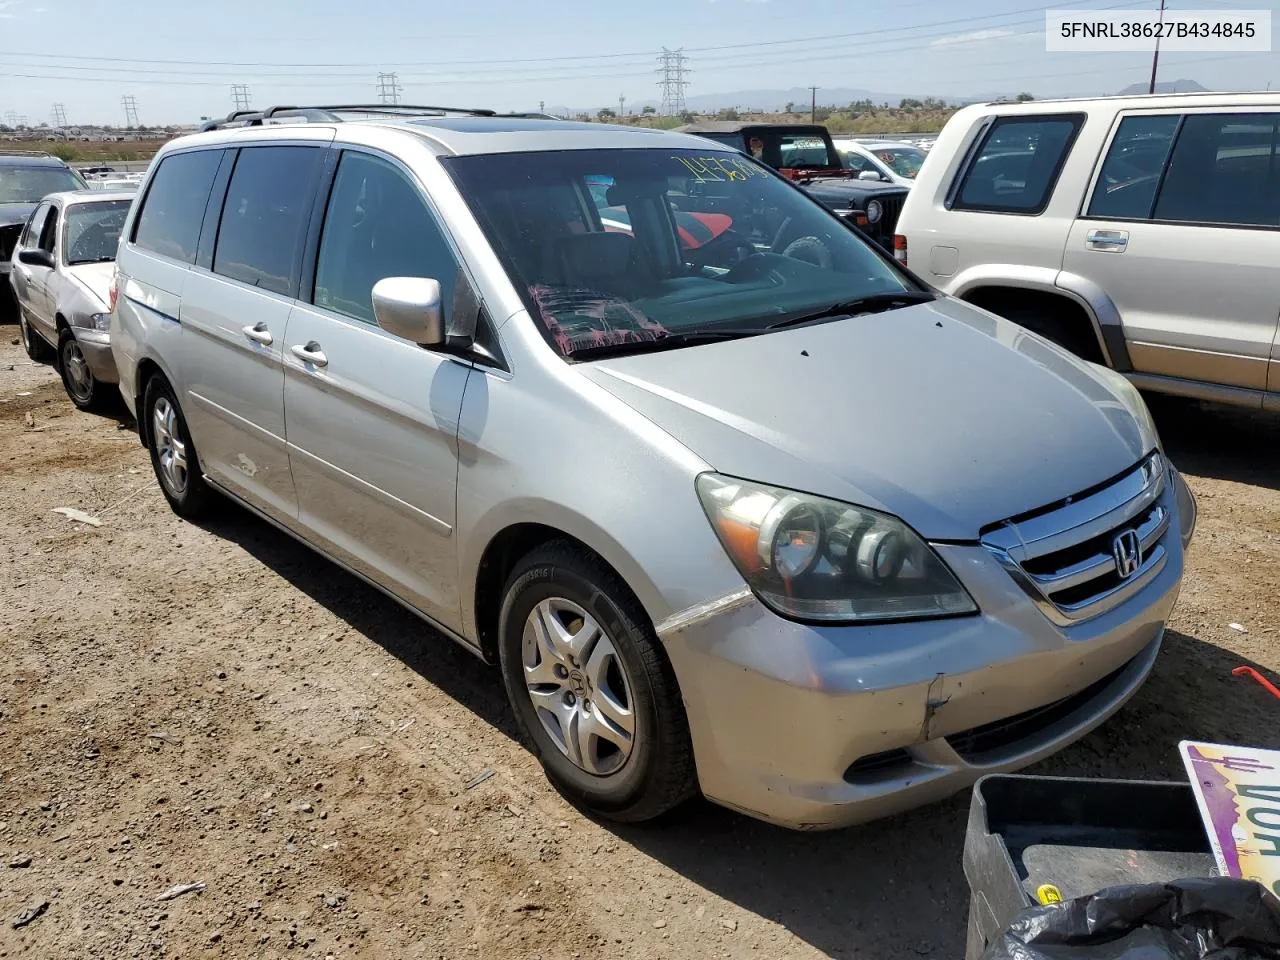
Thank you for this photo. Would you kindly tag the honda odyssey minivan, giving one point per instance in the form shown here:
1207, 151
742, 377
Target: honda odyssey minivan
753, 513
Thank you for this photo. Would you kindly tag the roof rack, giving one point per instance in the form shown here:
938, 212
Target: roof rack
329, 113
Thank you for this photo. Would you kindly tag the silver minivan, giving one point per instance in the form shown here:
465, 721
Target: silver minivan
737, 504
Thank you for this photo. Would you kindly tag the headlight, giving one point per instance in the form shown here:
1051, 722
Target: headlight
817, 559
97, 321
1128, 395
874, 211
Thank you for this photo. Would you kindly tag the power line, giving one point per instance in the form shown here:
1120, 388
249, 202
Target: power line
389, 88
240, 96
673, 71
130, 104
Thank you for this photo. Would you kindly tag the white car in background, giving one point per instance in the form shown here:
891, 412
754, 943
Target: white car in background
889, 161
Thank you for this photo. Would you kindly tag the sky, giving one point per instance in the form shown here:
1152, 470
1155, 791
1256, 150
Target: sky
179, 58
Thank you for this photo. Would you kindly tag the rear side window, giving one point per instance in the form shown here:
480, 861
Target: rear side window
377, 226
1131, 172
1015, 169
169, 222
1223, 170
264, 218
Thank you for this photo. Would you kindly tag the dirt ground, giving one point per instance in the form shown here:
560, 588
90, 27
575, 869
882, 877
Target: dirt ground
216, 704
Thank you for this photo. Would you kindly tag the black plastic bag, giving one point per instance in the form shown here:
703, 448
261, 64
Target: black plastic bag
1218, 918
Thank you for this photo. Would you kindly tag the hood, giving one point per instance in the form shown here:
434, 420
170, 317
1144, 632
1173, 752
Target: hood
11, 213
94, 279
941, 414
840, 190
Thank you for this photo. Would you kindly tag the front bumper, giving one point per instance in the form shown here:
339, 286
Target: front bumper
96, 347
816, 727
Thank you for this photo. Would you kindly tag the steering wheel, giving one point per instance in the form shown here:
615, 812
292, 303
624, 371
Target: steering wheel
701, 256
810, 250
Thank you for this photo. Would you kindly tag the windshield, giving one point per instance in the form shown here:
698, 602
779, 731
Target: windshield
32, 184
904, 161
617, 246
93, 231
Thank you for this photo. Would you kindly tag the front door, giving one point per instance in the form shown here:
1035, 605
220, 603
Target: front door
372, 419
1181, 233
233, 324
31, 280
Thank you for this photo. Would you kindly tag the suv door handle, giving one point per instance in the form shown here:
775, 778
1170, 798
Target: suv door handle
258, 333
311, 354
1110, 239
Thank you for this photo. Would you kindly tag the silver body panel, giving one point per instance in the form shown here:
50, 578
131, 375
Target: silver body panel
404, 464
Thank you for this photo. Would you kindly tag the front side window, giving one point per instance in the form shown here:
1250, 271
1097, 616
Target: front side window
20, 184
35, 226
264, 217
377, 225
611, 247
49, 231
1017, 166
1131, 171
1223, 170
92, 231
173, 209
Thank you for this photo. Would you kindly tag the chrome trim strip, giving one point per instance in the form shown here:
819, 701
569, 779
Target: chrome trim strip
1100, 564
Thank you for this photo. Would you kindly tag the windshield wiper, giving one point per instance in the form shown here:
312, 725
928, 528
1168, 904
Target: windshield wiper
77, 263
669, 342
876, 303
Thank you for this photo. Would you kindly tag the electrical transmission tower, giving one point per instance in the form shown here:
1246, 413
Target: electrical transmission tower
389, 88
240, 95
59, 116
622, 104
673, 81
130, 104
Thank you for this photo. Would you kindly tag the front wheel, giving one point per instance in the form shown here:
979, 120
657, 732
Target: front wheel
173, 455
591, 687
82, 387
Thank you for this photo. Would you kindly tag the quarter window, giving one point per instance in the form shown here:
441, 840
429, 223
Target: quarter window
264, 218
173, 210
1018, 164
1223, 170
377, 226
1131, 172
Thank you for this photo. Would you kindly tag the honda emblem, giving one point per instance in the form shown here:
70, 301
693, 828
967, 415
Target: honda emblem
1127, 550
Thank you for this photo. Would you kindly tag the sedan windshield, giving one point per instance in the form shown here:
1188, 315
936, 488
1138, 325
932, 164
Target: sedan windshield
93, 231
630, 248
904, 161
32, 184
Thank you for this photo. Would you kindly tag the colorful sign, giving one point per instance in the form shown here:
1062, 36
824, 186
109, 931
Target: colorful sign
1238, 792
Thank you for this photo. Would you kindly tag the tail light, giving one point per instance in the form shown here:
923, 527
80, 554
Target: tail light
900, 248
114, 291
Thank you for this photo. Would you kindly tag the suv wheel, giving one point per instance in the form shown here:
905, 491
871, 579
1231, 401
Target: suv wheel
82, 387
591, 687
173, 455
32, 342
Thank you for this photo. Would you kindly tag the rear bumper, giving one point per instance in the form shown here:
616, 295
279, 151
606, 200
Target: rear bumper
818, 727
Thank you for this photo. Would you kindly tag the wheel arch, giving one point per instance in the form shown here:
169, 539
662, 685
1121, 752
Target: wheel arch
146, 368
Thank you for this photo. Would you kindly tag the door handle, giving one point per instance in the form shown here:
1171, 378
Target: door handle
1110, 239
311, 354
258, 333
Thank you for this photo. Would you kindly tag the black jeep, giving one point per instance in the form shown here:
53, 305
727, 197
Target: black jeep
804, 154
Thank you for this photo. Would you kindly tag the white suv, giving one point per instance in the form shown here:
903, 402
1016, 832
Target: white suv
1140, 232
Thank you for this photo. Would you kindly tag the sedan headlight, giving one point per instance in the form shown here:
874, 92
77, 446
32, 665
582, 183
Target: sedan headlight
96, 321
874, 211
812, 558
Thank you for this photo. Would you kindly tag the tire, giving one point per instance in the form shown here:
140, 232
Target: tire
184, 488
625, 666
81, 385
32, 342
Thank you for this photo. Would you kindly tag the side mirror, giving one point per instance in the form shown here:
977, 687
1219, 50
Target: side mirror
869, 175
410, 308
36, 258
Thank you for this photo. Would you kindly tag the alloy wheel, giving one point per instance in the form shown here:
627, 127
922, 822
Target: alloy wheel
579, 686
79, 380
170, 449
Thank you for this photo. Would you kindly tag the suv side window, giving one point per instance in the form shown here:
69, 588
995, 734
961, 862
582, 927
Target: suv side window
1017, 165
1223, 170
173, 209
264, 217
377, 225
1130, 173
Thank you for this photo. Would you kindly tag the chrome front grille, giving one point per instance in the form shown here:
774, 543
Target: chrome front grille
1081, 557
